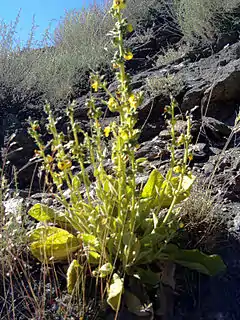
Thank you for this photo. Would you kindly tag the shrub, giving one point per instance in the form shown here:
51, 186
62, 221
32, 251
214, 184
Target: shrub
54, 66
202, 19
164, 85
113, 229
172, 54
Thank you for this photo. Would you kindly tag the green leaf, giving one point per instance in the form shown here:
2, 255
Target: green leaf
150, 195
42, 213
141, 160
73, 275
195, 259
90, 239
115, 292
148, 276
51, 244
153, 184
76, 183
149, 246
93, 256
105, 270
188, 182
169, 187
135, 306
91, 246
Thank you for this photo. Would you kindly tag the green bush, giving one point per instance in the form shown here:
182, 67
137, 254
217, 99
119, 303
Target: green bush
172, 54
165, 85
202, 20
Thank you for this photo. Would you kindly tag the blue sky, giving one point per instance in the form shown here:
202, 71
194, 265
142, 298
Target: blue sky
45, 11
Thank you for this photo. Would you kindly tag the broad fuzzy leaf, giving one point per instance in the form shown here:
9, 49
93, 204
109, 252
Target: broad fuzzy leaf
115, 292
73, 275
92, 247
105, 270
51, 244
90, 239
170, 186
147, 276
153, 184
195, 259
42, 213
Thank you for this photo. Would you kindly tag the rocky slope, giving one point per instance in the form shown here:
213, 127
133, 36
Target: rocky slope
204, 81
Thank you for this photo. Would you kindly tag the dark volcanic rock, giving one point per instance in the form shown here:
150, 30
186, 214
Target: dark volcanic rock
214, 298
212, 83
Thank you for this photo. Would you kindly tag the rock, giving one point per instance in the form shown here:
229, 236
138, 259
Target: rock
208, 169
224, 173
154, 149
214, 130
217, 297
200, 152
212, 84
19, 153
165, 134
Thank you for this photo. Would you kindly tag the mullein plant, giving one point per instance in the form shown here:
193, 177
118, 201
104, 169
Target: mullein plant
112, 228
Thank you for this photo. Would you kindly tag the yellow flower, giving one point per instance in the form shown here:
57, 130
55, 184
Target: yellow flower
181, 225
181, 139
49, 158
128, 55
95, 85
107, 131
133, 101
115, 65
35, 127
37, 153
63, 165
177, 169
97, 124
166, 109
119, 4
123, 134
112, 104
190, 157
130, 27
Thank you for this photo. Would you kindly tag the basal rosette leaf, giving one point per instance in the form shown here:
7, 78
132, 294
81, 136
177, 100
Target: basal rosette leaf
52, 244
195, 259
115, 292
42, 213
73, 276
147, 276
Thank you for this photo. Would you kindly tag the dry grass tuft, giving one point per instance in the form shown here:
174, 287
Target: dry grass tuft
202, 218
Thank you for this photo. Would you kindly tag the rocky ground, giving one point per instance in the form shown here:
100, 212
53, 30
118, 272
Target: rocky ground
206, 81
